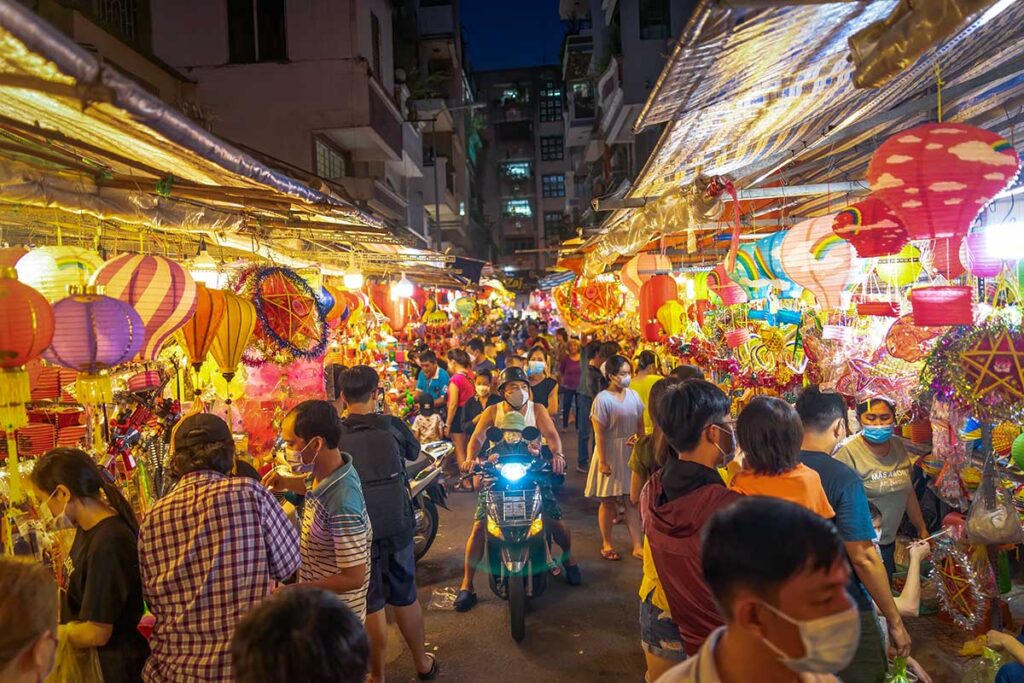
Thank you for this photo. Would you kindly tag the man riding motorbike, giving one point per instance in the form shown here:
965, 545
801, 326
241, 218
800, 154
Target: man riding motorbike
515, 390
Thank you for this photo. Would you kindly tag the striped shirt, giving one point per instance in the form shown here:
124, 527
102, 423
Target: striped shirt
209, 551
336, 532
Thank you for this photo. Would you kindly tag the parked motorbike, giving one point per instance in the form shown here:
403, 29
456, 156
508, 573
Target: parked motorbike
427, 491
515, 545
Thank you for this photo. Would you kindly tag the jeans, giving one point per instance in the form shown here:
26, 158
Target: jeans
568, 401
870, 661
1013, 672
584, 429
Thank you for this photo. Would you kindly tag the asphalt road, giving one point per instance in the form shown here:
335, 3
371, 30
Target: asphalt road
585, 633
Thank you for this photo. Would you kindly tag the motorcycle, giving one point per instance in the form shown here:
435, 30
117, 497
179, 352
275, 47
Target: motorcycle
515, 547
427, 492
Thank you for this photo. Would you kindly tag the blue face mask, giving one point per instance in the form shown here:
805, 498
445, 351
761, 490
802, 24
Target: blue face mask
535, 367
878, 435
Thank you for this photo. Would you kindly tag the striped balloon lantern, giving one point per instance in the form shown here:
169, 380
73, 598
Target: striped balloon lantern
233, 334
198, 333
94, 334
818, 259
758, 268
26, 328
161, 291
53, 270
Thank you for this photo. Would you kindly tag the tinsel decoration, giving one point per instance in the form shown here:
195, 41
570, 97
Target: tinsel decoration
958, 586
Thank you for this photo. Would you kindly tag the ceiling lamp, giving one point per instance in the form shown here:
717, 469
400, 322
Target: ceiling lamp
402, 289
205, 269
353, 278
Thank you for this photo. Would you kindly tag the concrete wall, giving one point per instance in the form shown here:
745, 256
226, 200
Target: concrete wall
643, 60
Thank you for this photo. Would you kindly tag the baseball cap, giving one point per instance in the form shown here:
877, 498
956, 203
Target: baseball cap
200, 428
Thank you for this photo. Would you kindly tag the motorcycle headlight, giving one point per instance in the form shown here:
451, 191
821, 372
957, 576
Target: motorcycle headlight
536, 527
493, 529
514, 471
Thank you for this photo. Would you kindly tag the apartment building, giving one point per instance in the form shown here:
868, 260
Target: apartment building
524, 175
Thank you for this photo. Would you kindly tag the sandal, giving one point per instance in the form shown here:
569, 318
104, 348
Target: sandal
434, 668
465, 486
611, 555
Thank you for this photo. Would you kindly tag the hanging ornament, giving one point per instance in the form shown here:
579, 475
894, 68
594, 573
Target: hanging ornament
52, 270
979, 256
911, 343
673, 318
26, 328
945, 257
290, 324
721, 284
958, 586
816, 258
161, 291
642, 268
940, 306
596, 302
654, 294
900, 269
937, 177
236, 327
871, 227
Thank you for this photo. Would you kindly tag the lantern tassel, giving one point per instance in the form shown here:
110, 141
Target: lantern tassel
14, 394
94, 389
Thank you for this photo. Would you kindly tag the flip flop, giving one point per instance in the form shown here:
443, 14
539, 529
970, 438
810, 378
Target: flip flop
611, 555
434, 669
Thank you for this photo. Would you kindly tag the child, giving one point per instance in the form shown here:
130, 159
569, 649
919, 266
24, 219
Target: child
428, 425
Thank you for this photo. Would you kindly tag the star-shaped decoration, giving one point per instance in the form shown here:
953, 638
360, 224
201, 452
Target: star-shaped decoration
994, 367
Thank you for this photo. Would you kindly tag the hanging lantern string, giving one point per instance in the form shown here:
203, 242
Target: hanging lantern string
938, 89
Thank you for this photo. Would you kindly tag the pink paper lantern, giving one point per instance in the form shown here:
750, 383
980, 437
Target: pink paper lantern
816, 258
976, 255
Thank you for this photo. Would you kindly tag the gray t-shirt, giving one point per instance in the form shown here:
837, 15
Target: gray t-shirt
886, 480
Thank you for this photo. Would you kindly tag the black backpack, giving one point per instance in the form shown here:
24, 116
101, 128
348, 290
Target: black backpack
373, 443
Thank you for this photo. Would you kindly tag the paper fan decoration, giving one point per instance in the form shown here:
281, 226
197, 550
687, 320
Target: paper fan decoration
161, 291
871, 227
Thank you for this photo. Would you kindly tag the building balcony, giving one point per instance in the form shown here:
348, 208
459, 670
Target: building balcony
373, 129
436, 19
517, 227
377, 196
439, 183
577, 53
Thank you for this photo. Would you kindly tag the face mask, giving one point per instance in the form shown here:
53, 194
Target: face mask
536, 367
517, 399
625, 380
726, 456
297, 464
52, 522
483, 391
878, 435
829, 642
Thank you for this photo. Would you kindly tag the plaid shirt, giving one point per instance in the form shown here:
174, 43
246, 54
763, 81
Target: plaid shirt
208, 552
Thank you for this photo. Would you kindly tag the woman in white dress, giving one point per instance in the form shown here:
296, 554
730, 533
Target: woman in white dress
618, 419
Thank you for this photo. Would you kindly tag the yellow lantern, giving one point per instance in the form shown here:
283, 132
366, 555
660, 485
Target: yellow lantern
236, 327
901, 269
672, 317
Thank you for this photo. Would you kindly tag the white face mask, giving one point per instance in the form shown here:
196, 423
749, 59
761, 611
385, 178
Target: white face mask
624, 381
296, 462
829, 642
517, 399
483, 391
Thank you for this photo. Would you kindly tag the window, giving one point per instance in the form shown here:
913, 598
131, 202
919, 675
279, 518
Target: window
583, 100
330, 164
513, 95
120, 15
518, 207
256, 31
553, 185
375, 37
654, 19
552, 148
550, 102
552, 222
517, 170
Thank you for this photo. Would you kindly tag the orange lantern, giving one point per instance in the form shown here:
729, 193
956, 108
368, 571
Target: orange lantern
642, 268
198, 333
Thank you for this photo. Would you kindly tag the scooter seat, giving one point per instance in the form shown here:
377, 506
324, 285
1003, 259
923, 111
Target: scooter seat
418, 465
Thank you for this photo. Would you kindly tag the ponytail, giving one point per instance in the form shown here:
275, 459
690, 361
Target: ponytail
74, 469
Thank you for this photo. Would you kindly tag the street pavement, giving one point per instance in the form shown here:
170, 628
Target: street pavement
584, 633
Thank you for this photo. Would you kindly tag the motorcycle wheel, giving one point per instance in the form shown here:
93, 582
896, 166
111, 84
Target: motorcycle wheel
517, 606
426, 527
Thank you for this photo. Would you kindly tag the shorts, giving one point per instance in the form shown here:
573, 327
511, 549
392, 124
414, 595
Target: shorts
392, 578
457, 426
549, 506
659, 635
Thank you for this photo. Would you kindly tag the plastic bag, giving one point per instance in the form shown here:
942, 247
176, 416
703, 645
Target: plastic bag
992, 518
81, 665
444, 598
985, 669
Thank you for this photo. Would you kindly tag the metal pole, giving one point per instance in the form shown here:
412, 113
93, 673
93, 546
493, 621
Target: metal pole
437, 192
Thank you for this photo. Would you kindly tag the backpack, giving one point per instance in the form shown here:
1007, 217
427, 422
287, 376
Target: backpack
373, 443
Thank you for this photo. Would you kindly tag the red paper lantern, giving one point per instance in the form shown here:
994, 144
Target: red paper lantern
937, 177
946, 257
655, 293
871, 227
642, 268
941, 306
885, 309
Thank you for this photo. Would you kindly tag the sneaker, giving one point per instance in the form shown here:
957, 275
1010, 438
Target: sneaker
465, 601
572, 575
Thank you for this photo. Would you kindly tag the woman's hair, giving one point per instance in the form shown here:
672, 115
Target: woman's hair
614, 364
866, 406
560, 332
662, 450
684, 372
459, 357
76, 470
686, 410
646, 359
535, 350
573, 346
770, 433
28, 607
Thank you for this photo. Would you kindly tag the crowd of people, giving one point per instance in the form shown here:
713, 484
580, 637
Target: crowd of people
766, 534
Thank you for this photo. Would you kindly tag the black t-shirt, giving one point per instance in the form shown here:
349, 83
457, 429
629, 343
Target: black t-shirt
104, 586
542, 390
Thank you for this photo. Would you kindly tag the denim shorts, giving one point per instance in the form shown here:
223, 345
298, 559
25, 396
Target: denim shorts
659, 635
392, 578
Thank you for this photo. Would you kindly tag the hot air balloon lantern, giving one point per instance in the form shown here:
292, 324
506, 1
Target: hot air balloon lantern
161, 291
198, 333
52, 270
937, 177
654, 294
26, 328
816, 258
871, 227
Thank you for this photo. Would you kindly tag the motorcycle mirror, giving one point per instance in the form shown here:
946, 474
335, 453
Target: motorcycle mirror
494, 434
531, 433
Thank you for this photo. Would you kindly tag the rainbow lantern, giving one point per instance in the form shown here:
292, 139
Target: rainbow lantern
937, 177
816, 258
161, 291
198, 333
26, 328
52, 270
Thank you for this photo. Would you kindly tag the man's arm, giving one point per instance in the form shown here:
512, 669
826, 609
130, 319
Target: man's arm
280, 537
348, 579
867, 564
407, 441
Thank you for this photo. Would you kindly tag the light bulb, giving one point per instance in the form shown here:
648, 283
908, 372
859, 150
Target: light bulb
205, 269
403, 288
353, 280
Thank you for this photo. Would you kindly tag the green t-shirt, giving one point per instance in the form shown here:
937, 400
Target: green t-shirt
886, 480
641, 460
